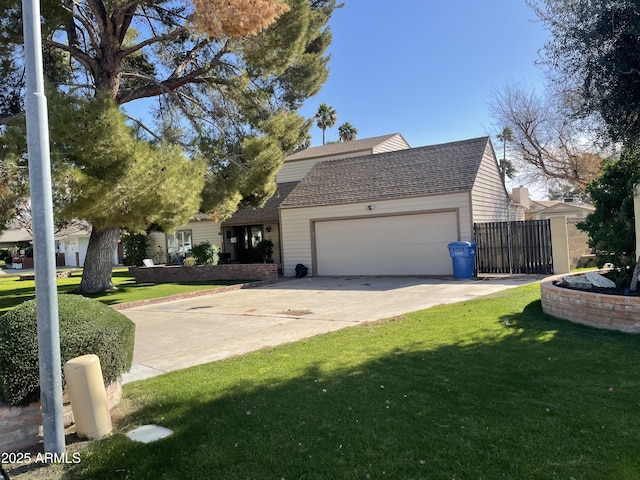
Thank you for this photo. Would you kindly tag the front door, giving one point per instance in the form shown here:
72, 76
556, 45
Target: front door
248, 237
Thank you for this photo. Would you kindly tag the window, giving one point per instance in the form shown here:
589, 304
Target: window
178, 244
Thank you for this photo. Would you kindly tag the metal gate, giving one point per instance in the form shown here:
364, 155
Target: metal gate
514, 247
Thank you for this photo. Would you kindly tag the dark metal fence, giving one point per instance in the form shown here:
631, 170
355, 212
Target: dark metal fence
514, 247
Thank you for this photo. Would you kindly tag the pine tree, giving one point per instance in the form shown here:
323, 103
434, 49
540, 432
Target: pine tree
226, 79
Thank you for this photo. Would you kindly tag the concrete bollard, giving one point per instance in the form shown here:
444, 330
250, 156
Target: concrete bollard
88, 396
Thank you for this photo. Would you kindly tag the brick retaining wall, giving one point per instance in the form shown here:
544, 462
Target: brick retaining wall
266, 272
21, 427
611, 312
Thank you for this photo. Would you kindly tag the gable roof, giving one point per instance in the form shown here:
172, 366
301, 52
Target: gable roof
265, 214
364, 145
563, 207
444, 168
541, 204
15, 236
74, 229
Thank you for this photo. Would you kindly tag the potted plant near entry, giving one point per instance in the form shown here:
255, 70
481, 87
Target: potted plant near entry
265, 247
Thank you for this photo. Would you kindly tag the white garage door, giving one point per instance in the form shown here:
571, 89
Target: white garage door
396, 245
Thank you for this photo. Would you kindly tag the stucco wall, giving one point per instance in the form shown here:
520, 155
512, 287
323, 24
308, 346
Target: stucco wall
578, 242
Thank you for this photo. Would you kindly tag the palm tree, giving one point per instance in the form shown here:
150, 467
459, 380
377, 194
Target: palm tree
325, 118
347, 132
506, 166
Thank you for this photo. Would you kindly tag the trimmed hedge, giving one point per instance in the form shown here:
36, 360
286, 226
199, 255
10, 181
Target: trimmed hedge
86, 326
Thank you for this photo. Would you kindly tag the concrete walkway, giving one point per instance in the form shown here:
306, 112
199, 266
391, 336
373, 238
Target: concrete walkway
183, 333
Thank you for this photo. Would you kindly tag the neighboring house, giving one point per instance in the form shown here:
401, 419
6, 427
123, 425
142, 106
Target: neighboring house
71, 241
11, 237
392, 213
577, 241
541, 209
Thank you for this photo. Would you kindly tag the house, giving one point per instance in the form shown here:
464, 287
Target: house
568, 207
392, 213
541, 209
13, 236
70, 243
366, 207
238, 236
73, 242
248, 226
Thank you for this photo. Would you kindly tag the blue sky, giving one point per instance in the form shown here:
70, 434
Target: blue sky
426, 69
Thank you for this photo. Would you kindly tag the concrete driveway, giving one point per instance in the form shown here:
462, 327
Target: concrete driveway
183, 333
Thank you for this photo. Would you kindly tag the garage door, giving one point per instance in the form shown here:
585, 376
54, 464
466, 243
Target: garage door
395, 245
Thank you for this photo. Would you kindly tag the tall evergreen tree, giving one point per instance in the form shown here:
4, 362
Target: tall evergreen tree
594, 50
226, 77
611, 226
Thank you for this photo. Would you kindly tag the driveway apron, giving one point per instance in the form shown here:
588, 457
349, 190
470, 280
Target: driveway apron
192, 331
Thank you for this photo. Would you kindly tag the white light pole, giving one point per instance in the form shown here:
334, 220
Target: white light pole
43, 239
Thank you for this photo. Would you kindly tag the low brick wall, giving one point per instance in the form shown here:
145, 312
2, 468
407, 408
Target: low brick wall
266, 272
21, 427
611, 312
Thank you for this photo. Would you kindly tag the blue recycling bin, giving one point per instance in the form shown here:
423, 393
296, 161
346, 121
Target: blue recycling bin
463, 256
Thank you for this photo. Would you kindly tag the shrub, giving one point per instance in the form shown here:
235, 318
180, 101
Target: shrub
135, 248
265, 247
86, 326
205, 253
611, 226
6, 256
189, 262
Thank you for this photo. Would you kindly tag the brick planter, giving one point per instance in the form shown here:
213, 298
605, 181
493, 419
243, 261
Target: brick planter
265, 272
21, 427
611, 312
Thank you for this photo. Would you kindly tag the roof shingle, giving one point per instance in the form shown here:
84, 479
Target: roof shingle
444, 168
265, 214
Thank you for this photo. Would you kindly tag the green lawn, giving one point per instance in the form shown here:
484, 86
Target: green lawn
14, 291
487, 389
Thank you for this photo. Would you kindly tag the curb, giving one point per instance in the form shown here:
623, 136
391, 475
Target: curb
199, 293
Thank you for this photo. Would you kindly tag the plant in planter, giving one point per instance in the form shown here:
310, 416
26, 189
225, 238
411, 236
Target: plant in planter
189, 262
205, 253
265, 247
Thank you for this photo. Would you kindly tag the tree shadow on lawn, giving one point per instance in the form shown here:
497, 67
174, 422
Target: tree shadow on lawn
17, 296
532, 400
